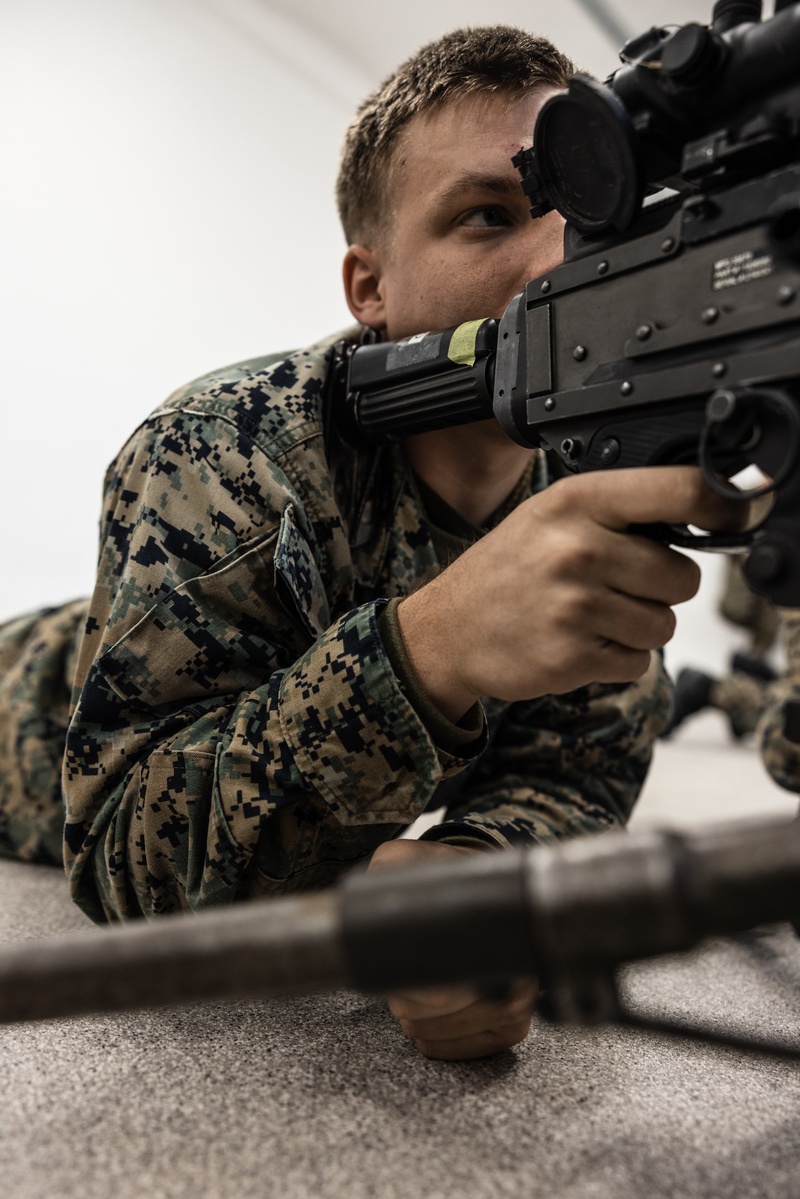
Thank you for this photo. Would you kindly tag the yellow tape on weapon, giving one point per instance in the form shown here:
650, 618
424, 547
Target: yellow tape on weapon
462, 343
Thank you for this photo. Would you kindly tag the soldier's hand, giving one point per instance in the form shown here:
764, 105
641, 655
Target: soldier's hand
561, 593
458, 1022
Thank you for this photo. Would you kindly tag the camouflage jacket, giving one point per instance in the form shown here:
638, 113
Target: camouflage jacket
780, 745
237, 727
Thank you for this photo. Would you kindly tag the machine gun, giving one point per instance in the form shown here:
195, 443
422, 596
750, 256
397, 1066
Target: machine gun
671, 333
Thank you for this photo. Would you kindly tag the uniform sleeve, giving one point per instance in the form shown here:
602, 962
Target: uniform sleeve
561, 766
240, 730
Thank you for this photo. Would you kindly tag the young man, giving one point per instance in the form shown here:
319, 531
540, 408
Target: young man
267, 691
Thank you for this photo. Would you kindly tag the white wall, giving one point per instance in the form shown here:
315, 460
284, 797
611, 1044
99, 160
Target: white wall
166, 207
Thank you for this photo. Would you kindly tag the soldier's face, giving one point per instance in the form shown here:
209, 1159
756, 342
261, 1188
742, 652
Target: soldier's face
460, 241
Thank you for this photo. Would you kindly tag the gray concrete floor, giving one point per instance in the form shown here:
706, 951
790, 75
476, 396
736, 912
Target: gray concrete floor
323, 1098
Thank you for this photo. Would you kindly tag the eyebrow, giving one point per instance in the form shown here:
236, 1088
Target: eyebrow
499, 185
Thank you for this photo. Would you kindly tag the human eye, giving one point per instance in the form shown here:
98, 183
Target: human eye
488, 216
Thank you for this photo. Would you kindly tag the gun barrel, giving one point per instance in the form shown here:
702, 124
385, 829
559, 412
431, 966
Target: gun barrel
558, 911
603, 901
288, 946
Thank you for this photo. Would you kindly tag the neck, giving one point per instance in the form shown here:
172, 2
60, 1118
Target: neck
474, 468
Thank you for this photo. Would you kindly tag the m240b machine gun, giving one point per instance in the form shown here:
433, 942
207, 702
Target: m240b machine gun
671, 332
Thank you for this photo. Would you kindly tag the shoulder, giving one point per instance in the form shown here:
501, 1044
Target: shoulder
274, 399
234, 446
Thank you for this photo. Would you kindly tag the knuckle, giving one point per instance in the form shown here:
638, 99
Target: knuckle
559, 495
628, 665
439, 1000
575, 608
684, 579
665, 627
520, 1008
694, 490
574, 553
699, 491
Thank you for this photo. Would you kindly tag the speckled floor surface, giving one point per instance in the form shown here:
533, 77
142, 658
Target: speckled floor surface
324, 1099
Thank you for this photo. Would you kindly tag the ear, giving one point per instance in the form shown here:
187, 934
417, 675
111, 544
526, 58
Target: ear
362, 272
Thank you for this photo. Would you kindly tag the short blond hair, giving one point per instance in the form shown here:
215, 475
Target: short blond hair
494, 59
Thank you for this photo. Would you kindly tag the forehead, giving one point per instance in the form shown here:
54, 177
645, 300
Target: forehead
473, 134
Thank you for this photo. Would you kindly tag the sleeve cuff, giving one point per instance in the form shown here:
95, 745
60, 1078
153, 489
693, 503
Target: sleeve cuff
352, 732
453, 832
456, 739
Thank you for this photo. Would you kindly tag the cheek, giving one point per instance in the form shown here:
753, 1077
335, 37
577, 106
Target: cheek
472, 289
442, 294
549, 246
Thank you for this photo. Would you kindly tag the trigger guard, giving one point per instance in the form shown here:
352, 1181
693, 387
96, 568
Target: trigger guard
681, 535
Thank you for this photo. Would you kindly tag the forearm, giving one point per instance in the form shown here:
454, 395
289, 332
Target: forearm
561, 766
455, 737
285, 783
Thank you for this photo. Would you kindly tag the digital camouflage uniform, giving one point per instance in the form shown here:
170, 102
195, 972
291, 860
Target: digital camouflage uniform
37, 662
742, 606
741, 696
781, 753
239, 727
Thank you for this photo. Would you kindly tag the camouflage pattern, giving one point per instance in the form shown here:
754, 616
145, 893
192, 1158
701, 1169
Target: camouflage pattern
741, 695
559, 766
742, 698
237, 727
37, 662
742, 606
780, 754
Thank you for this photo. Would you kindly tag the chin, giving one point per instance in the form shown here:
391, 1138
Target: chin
491, 430
489, 435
